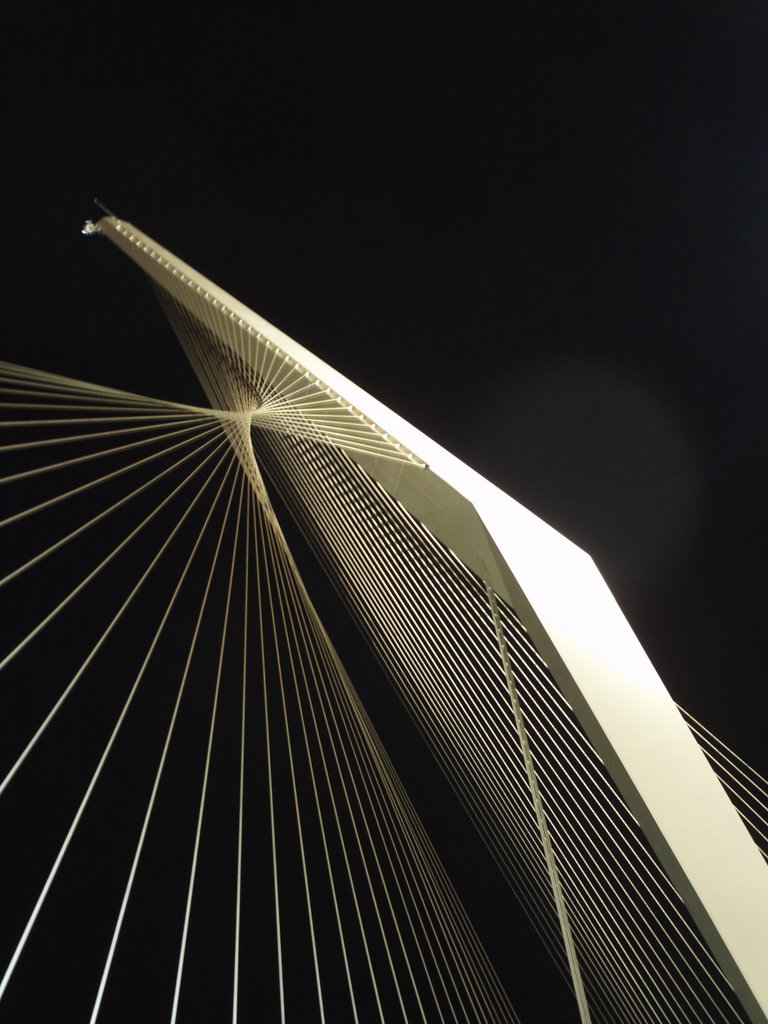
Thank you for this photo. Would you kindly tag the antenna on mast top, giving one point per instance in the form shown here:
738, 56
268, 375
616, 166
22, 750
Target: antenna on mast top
106, 209
91, 228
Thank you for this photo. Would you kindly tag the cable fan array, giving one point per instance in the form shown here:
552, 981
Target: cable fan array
748, 788
202, 818
428, 619
289, 398
528, 776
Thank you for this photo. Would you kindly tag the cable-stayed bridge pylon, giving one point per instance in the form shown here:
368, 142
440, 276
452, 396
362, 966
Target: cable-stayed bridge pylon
603, 804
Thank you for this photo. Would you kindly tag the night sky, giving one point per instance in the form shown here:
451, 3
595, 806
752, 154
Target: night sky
538, 232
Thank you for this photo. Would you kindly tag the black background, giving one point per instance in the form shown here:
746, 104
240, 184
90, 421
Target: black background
538, 232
